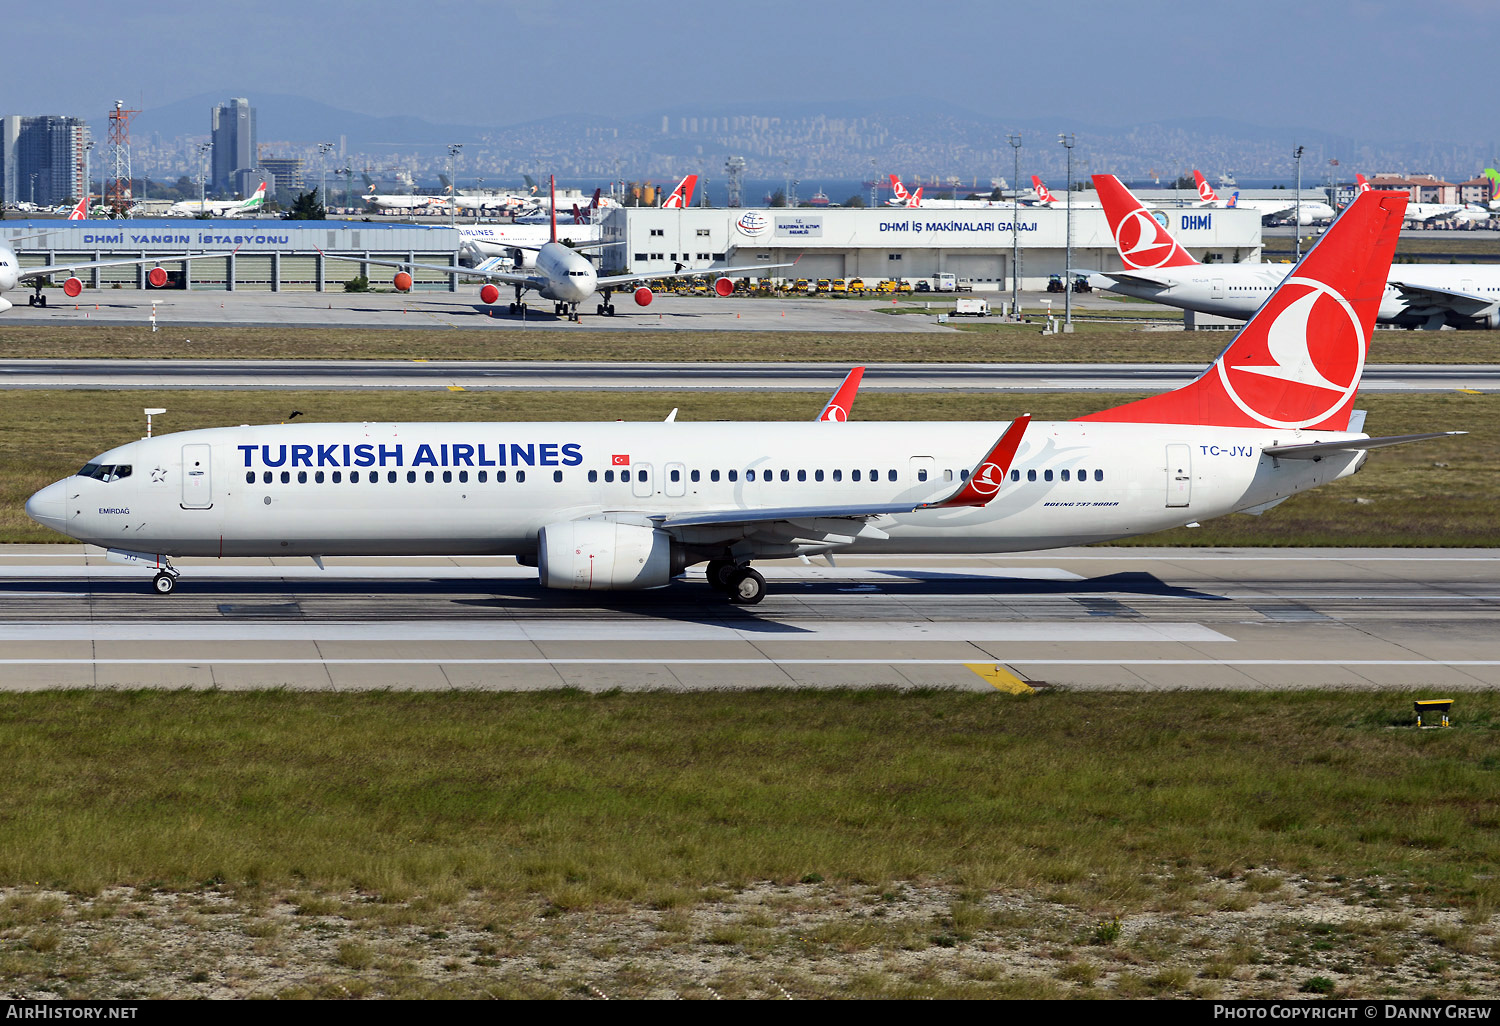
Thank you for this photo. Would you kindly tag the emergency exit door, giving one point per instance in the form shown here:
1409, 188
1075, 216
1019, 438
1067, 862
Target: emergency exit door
1179, 475
197, 477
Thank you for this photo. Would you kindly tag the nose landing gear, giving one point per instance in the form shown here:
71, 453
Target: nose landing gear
165, 581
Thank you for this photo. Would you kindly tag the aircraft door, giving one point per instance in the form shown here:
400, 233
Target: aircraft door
1218, 288
676, 482
641, 485
197, 477
1179, 475
924, 475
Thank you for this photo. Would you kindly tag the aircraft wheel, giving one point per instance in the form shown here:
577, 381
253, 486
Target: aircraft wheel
31, 300
715, 571
746, 587
41, 300
512, 308
609, 309
599, 309
164, 583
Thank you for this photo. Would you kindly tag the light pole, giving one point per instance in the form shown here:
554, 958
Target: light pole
1297, 218
453, 149
1067, 141
203, 149
874, 184
324, 149
87, 150
1015, 230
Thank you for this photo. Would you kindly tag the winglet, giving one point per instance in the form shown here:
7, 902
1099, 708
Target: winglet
983, 483
843, 400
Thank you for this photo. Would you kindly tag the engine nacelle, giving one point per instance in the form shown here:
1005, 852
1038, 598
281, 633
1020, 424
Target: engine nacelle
72, 287
157, 276
724, 287
489, 295
599, 555
643, 296
402, 281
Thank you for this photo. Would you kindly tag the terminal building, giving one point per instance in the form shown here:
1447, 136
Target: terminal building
268, 255
904, 243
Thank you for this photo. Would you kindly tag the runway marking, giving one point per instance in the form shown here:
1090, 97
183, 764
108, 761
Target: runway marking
768, 631
1001, 679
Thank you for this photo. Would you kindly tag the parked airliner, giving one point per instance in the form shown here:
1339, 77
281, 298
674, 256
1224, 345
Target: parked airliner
13, 274
623, 506
1430, 296
561, 273
252, 204
1312, 211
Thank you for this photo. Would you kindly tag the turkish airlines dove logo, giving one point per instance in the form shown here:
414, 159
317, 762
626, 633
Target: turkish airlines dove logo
986, 480
1142, 241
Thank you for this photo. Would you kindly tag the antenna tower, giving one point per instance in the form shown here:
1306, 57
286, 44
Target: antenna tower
118, 193
734, 167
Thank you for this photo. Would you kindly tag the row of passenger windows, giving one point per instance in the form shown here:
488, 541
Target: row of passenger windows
675, 475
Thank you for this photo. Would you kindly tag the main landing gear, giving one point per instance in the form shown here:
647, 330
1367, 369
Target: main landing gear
516, 308
740, 584
605, 310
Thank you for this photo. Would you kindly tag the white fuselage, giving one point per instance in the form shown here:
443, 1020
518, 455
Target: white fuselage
10, 272
487, 240
1238, 290
455, 488
568, 276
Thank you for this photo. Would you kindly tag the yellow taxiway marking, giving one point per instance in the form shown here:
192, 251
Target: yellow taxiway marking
1470, 391
419, 359
457, 388
1001, 679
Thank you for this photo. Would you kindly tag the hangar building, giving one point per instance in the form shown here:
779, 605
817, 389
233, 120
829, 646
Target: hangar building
896, 242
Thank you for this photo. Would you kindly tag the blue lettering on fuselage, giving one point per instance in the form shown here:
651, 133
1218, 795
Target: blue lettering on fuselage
1228, 450
456, 454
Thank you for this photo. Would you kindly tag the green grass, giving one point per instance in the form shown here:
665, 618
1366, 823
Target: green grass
985, 342
580, 799
1432, 493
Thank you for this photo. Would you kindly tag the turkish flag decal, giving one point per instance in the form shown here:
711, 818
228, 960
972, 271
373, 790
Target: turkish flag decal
619, 460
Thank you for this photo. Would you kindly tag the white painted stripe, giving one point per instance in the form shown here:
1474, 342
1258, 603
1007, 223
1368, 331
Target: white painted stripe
645, 629
766, 661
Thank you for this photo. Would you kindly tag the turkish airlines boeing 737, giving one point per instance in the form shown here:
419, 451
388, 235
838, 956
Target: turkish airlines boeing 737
1464, 296
617, 506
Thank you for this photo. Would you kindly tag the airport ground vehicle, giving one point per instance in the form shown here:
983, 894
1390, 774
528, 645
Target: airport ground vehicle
923, 285
944, 282
1055, 283
972, 308
1081, 283
886, 286
839, 286
856, 286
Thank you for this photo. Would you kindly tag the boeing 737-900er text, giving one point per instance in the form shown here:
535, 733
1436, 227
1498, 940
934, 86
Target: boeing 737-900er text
1464, 296
628, 506
561, 273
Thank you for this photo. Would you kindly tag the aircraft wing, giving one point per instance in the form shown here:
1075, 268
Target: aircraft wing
1317, 450
1430, 297
834, 522
625, 279
51, 269
1132, 278
459, 269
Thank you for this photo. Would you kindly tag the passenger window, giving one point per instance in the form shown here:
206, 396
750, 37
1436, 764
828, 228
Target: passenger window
749, 475
693, 476
854, 475
318, 477
838, 475
1064, 475
1098, 475
1015, 475
593, 477
921, 475
411, 476
499, 477
447, 477
338, 476
890, 475
390, 476
266, 477
801, 475
734, 475
249, 477
557, 476
676, 475
520, 477
1047, 475
428, 476
817, 475
1031, 475
713, 475
354, 477
609, 477
642, 475
624, 475
286, 477
874, 476
484, 475
302, 477
947, 475
786, 475
463, 477
963, 475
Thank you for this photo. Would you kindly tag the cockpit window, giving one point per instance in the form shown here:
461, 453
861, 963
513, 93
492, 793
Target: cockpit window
105, 471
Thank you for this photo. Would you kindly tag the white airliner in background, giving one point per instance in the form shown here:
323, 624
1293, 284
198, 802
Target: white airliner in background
13, 274
561, 273
253, 204
1313, 211
1044, 197
621, 506
1465, 296
1424, 212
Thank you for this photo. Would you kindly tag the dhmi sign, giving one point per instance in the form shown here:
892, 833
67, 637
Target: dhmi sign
1197, 222
799, 226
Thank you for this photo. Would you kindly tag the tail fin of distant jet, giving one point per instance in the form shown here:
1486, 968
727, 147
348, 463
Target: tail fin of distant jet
1205, 191
916, 198
447, 184
1043, 194
552, 206
1141, 239
530, 184
1297, 364
842, 401
682, 196
1363, 182
898, 190
256, 201
1234, 200
81, 211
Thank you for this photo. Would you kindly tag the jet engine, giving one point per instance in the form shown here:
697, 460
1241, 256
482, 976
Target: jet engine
601, 555
157, 276
72, 287
724, 287
643, 296
402, 281
489, 295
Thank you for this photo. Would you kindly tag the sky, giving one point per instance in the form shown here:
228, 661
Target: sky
1371, 68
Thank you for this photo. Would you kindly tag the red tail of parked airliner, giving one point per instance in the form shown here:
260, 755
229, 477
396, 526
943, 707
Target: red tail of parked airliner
1205, 191
898, 190
1043, 194
1142, 240
682, 196
1297, 364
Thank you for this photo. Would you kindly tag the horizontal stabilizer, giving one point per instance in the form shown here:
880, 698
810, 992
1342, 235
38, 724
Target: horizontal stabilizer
1317, 450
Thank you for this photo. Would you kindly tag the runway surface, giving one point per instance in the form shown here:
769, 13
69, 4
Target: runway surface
580, 376
1122, 618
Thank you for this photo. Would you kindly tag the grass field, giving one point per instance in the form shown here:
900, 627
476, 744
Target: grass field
1435, 493
866, 844
984, 342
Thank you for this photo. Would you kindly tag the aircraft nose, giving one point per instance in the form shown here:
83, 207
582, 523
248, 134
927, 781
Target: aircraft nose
48, 507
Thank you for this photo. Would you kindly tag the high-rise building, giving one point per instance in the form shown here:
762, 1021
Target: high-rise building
233, 142
287, 171
41, 159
